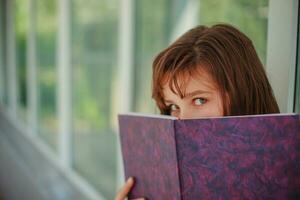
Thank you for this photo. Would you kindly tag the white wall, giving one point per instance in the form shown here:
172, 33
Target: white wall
281, 50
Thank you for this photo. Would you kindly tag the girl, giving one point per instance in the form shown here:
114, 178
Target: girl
210, 72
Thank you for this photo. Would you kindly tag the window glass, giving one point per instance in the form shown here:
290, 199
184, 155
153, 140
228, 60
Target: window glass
250, 16
21, 19
152, 34
94, 58
46, 25
297, 85
2, 56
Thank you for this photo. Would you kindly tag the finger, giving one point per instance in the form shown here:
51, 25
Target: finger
125, 189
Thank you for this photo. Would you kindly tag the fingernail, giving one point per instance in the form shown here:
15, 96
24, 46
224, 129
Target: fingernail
130, 179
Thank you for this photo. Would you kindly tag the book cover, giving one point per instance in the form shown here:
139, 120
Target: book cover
243, 157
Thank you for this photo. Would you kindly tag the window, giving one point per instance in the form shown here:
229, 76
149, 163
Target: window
251, 17
152, 34
3, 81
46, 23
94, 51
21, 19
297, 82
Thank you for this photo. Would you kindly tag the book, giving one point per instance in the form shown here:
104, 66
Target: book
238, 157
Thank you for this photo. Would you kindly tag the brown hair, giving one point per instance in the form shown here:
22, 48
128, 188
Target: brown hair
229, 57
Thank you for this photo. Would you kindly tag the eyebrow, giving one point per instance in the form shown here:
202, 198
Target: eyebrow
168, 102
196, 92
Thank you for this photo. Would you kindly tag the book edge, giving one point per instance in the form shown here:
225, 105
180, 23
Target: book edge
177, 161
158, 116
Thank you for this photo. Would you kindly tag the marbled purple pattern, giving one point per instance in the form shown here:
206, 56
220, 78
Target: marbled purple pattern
239, 158
148, 147
218, 158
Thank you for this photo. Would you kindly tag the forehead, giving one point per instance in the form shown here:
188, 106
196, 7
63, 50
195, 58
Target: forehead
189, 82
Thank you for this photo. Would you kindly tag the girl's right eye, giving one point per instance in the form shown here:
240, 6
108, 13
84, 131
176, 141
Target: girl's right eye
173, 108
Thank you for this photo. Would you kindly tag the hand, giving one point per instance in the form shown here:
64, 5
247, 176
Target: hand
126, 189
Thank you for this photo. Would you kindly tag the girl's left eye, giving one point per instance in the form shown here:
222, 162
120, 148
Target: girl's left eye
199, 101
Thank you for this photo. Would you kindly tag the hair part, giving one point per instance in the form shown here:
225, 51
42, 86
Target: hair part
228, 56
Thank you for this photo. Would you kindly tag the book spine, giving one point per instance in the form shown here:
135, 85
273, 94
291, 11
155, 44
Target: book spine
177, 158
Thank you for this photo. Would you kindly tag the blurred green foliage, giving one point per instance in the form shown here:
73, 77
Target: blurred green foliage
46, 33
250, 16
94, 61
152, 34
21, 19
94, 40
94, 37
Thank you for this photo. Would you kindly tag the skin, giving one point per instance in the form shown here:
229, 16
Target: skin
126, 189
201, 99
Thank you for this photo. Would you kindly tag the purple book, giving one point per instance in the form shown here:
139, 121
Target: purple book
244, 157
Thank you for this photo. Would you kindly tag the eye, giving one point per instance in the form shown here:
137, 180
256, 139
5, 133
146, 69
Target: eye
173, 107
173, 110
199, 101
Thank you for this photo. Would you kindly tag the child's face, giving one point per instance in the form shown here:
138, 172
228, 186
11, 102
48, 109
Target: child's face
201, 99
